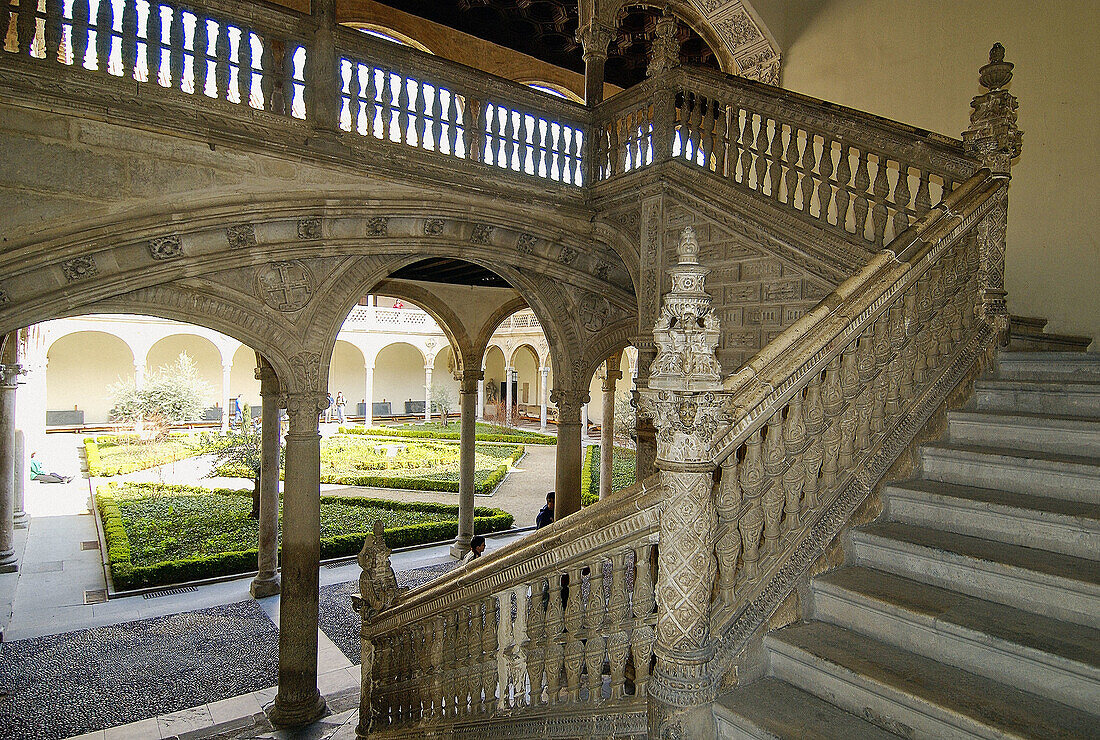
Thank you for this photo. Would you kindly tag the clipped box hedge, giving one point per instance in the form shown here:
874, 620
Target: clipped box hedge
97, 466
533, 438
128, 576
622, 472
428, 484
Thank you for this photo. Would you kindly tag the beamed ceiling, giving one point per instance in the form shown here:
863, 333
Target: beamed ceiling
451, 271
546, 30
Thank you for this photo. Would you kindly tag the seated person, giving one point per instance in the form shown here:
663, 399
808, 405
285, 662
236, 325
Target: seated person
477, 546
40, 475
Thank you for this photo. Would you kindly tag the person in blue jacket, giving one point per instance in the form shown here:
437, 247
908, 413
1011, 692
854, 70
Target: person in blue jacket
40, 475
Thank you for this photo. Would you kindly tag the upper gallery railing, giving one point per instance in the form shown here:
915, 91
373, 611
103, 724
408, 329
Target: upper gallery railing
837, 166
562, 619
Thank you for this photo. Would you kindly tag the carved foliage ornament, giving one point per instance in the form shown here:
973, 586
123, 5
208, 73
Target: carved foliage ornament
79, 268
4, 297
240, 236
166, 247
568, 255
286, 285
378, 226
309, 228
481, 233
433, 227
525, 243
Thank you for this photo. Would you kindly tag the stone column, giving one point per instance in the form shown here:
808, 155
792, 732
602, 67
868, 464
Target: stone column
368, 410
427, 393
584, 420
684, 397
645, 457
19, 479
594, 39
607, 425
8, 375
298, 701
467, 394
139, 373
567, 475
543, 371
481, 396
508, 394
266, 582
227, 370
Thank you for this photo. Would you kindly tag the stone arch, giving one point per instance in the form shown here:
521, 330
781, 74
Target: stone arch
393, 380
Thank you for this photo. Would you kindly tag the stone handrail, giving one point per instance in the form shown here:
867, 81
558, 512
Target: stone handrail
496, 637
820, 413
774, 142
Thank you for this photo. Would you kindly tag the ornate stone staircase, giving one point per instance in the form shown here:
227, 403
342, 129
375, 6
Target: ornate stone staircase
971, 608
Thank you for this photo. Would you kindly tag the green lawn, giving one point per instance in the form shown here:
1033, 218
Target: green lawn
118, 454
622, 472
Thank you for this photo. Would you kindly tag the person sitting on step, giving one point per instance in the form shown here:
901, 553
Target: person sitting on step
40, 475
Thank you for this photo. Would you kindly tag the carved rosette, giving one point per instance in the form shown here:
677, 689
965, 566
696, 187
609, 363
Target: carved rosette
240, 236
79, 268
165, 247
684, 395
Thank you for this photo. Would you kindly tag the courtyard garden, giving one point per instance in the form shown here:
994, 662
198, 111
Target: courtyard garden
159, 534
118, 454
622, 472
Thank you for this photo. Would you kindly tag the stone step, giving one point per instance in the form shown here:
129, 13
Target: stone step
1051, 658
912, 695
1062, 398
1056, 585
1065, 365
770, 709
1049, 342
1042, 432
1073, 477
1059, 525
1027, 325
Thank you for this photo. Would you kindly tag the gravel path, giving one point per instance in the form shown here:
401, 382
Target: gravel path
341, 624
77, 682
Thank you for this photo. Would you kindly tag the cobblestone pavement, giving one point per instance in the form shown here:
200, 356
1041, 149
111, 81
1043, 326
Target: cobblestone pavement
341, 624
76, 682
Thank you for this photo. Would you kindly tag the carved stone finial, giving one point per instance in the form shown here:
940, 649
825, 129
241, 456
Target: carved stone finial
378, 589
665, 53
998, 72
993, 137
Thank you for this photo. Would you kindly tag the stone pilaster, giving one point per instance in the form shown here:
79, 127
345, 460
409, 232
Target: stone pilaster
995, 140
567, 478
467, 395
683, 396
612, 373
298, 701
9, 562
266, 582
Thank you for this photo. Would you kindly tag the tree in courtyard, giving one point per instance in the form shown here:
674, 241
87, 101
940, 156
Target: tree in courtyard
241, 451
173, 393
443, 400
626, 420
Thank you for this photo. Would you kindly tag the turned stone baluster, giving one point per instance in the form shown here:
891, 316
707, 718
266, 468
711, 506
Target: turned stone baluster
403, 135
908, 367
154, 46
759, 148
849, 388
129, 40
268, 73
488, 651
706, 141
617, 617
554, 624
104, 35
437, 120
595, 611
24, 26
536, 639
882, 360
923, 202
794, 477
435, 661
843, 192
775, 465
809, 164
244, 71
790, 173
880, 190
454, 124
921, 330
824, 187
865, 370
222, 53
517, 670
504, 642
386, 105
728, 542
81, 15
201, 57
477, 659
860, 194
832, 400
53, 30
775, 155
175, 49
593, 661
574, 659
720, 151
753, 482
463, 666
420, 114
744, 155
372, 106
895, 369
692, 130
643, 601
901, 199
939, 319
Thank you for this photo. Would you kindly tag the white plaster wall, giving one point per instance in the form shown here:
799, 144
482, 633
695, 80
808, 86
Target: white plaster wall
399, 375
918, 61
595, 390
494, 370
242, 378
82, 366
346, 374
526, 364
443, 375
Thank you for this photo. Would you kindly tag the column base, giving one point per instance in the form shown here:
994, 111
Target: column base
298, 712
459, 548
21, 520
9, 562
262, 587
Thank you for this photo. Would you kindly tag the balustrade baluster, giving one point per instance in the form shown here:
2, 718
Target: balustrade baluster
794, 442
832, 398
268, 73
824, 187
728, 542
759, 146
223, 52
882, 356
559, 153
643, 601
129, 40
383, 680
81, 14
504, 641
775, 154
386, 105
437, 120
860, 196
244, 72
463, 667
922, 369
720, 148
790, 169
923, 200
537, 639
809, 164
908, 368
894, 369
509, 137
618, 643
775, 465
554, 626
574, 659
880, 190
154, 47
901, 199
843, 192
935, 333
518, 666
24, 26
753, 483
454, 123
371, 106
403, 136
525, 133
488, 650
450, 663
575, 149
849, 387
435, 668
813, 415
175, 49
104, 34
53, 30
200, 57
420, 114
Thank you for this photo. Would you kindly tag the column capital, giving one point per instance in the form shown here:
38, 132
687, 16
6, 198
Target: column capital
303, 410
469, 380
569, 403
594, 39
266, 375
610, 378
9, 375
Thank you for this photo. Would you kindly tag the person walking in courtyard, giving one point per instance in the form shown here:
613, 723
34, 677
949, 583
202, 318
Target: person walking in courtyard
477, 547
40, 475
341, 405
328, 409
546, 513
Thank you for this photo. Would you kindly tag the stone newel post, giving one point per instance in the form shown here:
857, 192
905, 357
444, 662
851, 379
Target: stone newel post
995, 140
683, 395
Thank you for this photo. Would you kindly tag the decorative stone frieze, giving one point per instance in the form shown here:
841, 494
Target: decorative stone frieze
481, 233
286, 285
240, 236
166, 247
378, 226
526, 243
80, 268
567, 255
306, 367
309, 228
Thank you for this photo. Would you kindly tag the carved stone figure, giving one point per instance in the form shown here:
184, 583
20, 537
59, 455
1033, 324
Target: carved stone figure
378, 589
